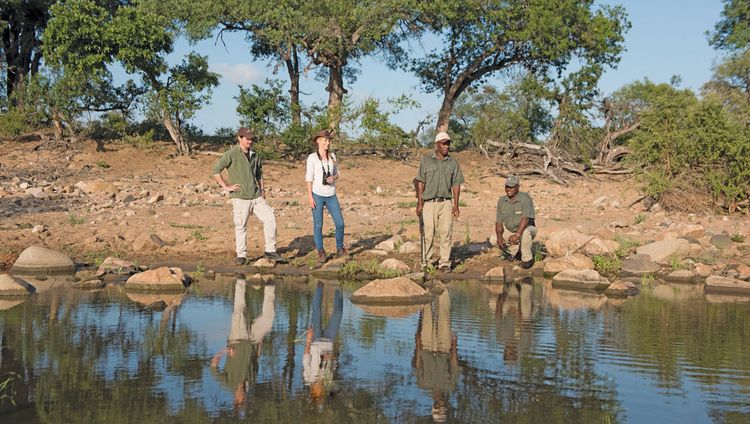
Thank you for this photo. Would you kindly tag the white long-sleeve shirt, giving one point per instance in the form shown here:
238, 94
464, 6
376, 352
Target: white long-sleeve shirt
314, 174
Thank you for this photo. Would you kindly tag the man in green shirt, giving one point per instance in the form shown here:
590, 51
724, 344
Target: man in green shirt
515, 213
438, 185
248, 194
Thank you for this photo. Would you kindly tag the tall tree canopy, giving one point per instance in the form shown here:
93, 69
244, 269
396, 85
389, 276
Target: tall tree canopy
483, 37
732, 32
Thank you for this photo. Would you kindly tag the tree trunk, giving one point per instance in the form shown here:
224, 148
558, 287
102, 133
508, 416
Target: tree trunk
336, 93
175, 132
292, 67
444, 116
57, 125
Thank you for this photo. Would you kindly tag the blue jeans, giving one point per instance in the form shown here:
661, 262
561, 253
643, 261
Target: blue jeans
332, 204
334, 322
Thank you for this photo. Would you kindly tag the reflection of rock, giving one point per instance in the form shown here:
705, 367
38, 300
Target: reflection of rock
391, 311
586, 279
726, 285
496, 274
152, 300
572, 300
621, 289
43, 283
14, 286
91, 284
393, 290
6, 304
159, 279
674, 292
726, 298
41, 260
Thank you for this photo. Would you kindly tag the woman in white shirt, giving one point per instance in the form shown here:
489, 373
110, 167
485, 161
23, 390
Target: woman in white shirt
321, 176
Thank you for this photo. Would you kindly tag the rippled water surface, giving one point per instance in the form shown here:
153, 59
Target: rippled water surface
230, 351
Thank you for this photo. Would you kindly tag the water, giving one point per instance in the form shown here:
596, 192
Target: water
520, 353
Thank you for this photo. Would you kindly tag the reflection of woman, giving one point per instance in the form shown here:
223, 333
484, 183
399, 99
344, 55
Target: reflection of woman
242, 345
318, 359
436, 355
321, 176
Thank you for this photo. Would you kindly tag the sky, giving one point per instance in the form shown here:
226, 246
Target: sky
668, 37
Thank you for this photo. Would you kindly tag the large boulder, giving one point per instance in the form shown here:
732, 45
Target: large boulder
664, 251
597, 246
726, 285
586, 279
163, 278
575, 261
396, 265
566, 242
638, 266
38, 260
399, 290
14, 286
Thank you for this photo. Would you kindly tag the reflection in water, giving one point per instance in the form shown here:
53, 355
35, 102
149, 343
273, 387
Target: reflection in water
230, 352
242, 351
436, 355
319, 359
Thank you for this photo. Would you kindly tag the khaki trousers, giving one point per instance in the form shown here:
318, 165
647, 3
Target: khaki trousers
241, 209
438, 222
526, 242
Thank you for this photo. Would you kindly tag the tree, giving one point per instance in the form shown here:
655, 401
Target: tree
732, 32
265, 110
22, 22
85, 37
730, 86
483, 37
274, 33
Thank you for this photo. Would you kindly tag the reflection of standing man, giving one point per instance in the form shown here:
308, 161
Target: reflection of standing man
513, 312
438, 189
436, 355
243, 346
318, 359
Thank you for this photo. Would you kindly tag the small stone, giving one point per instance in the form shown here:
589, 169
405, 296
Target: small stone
639, 265
390, 244
599, 201
23, 186
39, 229
408, 247
587, 279
375, 252
116, 266
576, 261
155, 198
147, 242
597, 246
721, 241
703, 270
264, 263
395, 264
619, 224
163, 278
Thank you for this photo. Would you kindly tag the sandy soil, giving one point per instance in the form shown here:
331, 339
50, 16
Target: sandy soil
40, 204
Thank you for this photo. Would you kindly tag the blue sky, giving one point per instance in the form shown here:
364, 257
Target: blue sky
668, 37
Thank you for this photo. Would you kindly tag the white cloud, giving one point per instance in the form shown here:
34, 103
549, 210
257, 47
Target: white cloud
241, 73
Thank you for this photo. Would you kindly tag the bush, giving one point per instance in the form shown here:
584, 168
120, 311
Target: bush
13, 123
297, 140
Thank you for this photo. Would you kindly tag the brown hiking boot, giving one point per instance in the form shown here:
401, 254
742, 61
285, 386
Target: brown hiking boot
322, 257
342, 253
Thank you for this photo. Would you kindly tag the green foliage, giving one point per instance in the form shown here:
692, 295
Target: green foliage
7, 387
639, 219
627, 246
738, 238
372, 268
13, 123
103, 164
732, 32
375, 125
263, 109
75, 220
675, 264
607, 265
198, 235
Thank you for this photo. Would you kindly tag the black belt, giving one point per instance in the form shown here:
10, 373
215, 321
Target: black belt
438, 199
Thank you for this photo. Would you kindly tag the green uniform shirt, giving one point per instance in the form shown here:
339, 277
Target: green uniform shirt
245, 170
510, 213
439, 176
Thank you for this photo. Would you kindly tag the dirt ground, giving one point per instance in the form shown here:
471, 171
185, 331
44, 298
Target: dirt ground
52, 198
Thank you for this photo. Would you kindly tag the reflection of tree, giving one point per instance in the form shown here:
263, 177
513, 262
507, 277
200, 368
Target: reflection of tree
670, 333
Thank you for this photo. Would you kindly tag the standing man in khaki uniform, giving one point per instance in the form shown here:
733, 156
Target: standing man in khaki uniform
248, 194
515, 214
438, 189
